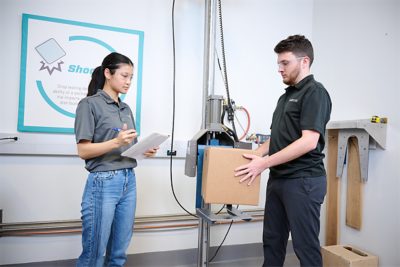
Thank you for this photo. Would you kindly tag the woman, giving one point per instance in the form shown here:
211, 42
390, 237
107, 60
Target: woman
104, 128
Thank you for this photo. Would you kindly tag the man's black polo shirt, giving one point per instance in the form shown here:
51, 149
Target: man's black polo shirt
304, 106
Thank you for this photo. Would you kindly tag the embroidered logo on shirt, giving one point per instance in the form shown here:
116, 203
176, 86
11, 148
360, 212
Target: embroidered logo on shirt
293, 100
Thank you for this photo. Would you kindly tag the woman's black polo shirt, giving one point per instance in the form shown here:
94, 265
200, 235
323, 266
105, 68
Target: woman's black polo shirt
304, 106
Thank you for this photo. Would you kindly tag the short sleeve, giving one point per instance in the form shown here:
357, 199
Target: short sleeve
134, 125
84, 121
316, 110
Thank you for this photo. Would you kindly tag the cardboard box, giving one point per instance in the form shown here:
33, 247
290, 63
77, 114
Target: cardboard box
219, 185
347, 256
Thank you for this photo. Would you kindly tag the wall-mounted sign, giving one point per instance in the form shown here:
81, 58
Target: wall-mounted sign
57, 59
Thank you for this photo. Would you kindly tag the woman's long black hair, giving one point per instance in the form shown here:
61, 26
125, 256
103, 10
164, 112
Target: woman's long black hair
111, 62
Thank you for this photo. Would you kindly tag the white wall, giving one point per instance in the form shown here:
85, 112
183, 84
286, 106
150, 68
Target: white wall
38, 188
357, 59
356, 45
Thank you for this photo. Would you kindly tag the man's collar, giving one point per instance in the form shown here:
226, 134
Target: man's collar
301, 84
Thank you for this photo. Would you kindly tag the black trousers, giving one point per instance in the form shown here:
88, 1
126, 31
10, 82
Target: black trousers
293, 205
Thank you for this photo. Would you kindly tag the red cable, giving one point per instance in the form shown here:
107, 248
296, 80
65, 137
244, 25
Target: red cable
248, 123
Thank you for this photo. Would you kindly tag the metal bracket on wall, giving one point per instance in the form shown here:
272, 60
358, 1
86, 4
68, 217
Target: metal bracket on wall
369, 135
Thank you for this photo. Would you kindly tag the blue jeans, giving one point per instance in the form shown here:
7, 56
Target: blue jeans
108, 213
293, 205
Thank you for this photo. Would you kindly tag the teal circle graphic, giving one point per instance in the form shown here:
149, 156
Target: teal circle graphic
39, 83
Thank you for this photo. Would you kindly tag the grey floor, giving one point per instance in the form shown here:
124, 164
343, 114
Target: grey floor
291, 261
229, 256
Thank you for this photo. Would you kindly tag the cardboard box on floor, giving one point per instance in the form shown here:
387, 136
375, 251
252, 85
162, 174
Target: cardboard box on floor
219, 185
347, 256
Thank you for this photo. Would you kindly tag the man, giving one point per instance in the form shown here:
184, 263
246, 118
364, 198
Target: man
297, 181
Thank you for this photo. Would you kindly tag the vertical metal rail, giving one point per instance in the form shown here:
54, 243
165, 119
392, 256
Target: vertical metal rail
203, 240
209, 54
208, 89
